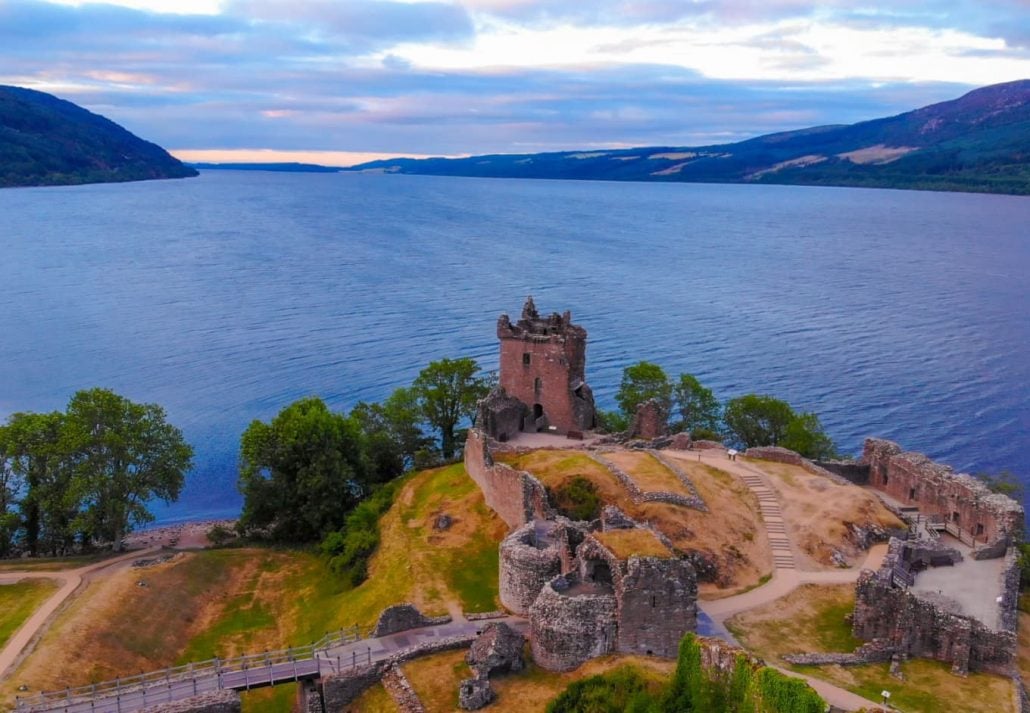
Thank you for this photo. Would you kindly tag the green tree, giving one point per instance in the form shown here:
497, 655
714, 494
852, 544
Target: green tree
757, 420
10, 486
447, 392
1006, 482
698, 408
640, 382
302, 473
394, 432
50, 504
806, 436
123, 455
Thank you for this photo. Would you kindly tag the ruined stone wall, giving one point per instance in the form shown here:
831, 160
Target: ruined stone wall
650, 421
215, 702
857, 473
568, 630
900, 622
543, 361
515, 495
339, 690
401, 617
961, 500
525, 569
657, 605
500, 415
785, 455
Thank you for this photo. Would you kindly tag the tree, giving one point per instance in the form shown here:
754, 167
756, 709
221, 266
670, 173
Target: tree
1006, 482
49, 505
10, 485
757, 420
447, 392
393, 428
122, 455
302, 473
698, 408
805, 435
640, 382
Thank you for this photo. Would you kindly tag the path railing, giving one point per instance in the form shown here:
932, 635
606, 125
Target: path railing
236, 673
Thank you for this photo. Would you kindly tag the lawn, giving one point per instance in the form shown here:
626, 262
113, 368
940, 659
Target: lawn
54, 564
648, 473
18, 601
812, 618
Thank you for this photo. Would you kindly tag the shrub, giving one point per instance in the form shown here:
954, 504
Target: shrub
350, 548
576, 499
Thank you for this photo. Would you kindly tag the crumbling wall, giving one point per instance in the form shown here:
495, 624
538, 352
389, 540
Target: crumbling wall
851, 471
657, 605
500, 415
965, 503
897, 621
525, 569
224, 701
650, 421
515, 495
566, 630
402, 617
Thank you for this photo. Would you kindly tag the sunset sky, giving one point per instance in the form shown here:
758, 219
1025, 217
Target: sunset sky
339, 81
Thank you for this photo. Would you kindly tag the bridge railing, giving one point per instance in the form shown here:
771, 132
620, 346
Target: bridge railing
194, 671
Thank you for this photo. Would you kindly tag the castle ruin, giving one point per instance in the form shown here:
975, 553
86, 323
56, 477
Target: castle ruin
542, 378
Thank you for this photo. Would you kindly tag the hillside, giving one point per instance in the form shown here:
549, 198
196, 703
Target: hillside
978, 142
46, 141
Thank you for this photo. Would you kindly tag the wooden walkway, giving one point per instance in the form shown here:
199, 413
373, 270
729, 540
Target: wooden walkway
333, 654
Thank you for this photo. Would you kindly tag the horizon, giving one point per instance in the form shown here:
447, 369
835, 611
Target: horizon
340, 83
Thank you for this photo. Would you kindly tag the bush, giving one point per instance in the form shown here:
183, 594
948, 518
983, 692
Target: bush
576, 499
219, 535
704, 434
350, 548
623, 690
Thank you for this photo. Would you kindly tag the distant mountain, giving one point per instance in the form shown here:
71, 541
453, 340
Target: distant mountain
282, 167
979, 142
46, 141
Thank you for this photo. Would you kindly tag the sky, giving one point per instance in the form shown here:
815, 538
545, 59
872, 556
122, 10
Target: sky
342, 81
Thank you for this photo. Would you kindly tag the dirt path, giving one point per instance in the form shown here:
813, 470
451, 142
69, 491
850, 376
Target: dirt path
70, 580
786, 576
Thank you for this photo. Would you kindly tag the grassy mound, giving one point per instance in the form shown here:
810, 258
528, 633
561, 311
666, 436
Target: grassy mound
18, 601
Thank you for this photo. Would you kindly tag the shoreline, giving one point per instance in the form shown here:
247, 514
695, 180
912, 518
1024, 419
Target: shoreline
189, 534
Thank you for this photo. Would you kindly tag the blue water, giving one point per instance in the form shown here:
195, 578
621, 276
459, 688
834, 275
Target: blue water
224, 298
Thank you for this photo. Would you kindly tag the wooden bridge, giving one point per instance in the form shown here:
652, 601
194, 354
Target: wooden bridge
332, 654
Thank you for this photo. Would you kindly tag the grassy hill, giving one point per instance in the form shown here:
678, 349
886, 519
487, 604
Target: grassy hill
978, 142
46, 141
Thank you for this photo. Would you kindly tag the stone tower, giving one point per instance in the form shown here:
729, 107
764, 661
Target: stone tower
543, 362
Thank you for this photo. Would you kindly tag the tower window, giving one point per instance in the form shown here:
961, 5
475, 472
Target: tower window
537, 386
525, 359
911, 493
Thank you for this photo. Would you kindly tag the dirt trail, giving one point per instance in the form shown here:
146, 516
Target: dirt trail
70, 580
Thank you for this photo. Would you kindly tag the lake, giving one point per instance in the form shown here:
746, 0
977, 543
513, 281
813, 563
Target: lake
224, 298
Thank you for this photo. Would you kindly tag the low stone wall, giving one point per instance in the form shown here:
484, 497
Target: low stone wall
867, 653
483, 616
640, 496
785, 455
515, 495
402, 617
400, 690
214, 702
682, 476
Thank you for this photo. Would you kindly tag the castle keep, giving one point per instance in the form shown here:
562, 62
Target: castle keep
542, 377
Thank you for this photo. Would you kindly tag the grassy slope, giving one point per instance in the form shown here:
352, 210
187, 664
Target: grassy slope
436, 678
18, 601
812, 618
227, 602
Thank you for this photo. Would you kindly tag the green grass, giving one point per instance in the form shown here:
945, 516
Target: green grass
53, 564
474, 579
18, 602
275, 699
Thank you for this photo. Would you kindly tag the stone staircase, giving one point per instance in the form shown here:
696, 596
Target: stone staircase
772, 517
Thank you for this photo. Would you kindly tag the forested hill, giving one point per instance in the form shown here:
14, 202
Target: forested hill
48, 141
979, 142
